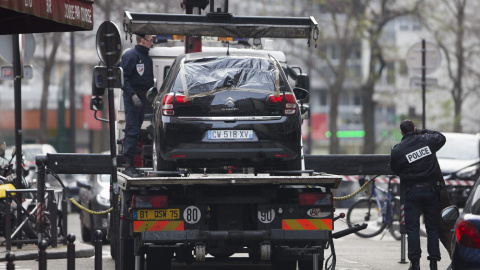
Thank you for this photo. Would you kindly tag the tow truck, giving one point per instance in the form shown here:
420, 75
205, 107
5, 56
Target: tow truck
279, 217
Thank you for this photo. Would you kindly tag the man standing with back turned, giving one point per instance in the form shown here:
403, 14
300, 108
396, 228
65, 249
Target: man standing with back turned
414, 160
138, 78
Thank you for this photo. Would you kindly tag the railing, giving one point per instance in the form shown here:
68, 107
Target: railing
57, 218
42, 253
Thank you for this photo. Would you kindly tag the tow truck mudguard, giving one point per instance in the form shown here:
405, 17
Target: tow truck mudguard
157, 237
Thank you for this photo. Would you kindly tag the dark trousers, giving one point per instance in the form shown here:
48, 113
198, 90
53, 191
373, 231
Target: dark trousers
133, 124
420, 200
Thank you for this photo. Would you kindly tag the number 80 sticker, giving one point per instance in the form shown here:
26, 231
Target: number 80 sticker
191, 214
266, 216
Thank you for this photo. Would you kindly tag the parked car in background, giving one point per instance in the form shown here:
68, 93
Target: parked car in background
70, 182
94, 194
30, 152
465, 251
459, 159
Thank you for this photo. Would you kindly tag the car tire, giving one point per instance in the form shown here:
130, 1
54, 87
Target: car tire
127, 256
86, 234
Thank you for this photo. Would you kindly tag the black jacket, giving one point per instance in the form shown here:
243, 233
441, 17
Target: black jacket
414, 159
137, 71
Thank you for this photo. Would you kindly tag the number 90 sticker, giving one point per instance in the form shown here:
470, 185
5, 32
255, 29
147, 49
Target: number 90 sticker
192, 214
266, 216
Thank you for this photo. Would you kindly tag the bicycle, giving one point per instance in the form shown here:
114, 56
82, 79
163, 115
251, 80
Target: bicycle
379, 213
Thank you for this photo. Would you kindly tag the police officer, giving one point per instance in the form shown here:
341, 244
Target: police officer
414, 160
138, 78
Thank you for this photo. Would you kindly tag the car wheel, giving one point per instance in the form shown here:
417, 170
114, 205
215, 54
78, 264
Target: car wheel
159, 164
86, 234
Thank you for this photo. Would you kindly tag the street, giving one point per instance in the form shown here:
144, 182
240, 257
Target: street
353, 253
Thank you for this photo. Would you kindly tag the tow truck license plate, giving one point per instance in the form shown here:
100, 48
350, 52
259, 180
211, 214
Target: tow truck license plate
230, 134
156, 214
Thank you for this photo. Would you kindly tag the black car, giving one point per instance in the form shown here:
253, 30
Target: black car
465, 250
235, 109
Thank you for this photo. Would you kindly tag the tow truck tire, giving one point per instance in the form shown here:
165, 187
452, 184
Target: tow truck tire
127, 253
308, 264
284, 265
159, 257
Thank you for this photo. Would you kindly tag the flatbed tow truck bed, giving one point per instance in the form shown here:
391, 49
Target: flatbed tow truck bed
316, 179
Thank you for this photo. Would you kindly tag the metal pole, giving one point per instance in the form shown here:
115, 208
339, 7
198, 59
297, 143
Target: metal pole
98, 249
73, 148
17, 67
423, 83
71, 252
10, 257
113, 153
40, 160
403, 229
42, 255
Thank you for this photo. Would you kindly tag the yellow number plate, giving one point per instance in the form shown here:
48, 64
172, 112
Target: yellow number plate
156, 214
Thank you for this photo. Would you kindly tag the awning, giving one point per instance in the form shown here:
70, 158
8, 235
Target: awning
221, 26
39, 16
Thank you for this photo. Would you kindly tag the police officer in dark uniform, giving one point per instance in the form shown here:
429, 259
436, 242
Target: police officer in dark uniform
414, 160
138, 78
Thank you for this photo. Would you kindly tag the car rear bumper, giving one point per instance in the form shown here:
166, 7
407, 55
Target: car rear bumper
187, 140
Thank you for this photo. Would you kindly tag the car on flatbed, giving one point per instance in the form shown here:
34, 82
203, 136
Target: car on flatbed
227, 109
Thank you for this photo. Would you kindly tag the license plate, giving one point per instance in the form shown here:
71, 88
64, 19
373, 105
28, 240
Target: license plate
230, 134
156, 214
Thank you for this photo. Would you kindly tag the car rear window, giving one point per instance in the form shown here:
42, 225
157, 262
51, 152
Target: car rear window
208, 75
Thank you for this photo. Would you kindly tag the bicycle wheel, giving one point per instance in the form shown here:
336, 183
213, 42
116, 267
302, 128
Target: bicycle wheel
396, 213
366, 211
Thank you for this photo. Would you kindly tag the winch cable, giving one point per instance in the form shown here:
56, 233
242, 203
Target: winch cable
81, 207
356, 192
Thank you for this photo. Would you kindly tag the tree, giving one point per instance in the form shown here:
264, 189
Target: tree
456, 33
373, 21
48, 61
338, 42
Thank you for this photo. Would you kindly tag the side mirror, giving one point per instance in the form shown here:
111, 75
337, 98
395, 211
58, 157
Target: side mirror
450, 213
96, 104
151, 94
303, 81
300, 93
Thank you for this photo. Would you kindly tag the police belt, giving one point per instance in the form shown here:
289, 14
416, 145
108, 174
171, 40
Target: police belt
407, 189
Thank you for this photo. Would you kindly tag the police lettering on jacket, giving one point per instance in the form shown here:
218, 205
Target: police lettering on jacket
418, 154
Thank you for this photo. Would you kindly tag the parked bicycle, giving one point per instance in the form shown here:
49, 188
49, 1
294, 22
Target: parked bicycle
380, 212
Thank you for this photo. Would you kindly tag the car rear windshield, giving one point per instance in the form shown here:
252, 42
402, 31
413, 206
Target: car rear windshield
209, 75
459, 148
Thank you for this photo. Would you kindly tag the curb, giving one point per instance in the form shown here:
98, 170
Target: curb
30, 252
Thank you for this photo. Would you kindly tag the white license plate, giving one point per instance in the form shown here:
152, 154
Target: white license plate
230, 134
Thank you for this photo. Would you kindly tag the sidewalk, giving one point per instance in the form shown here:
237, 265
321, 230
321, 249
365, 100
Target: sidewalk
30, 251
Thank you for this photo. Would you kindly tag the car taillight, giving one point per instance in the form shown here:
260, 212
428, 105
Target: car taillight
160, 201
320, 199
171, 100
467, 234
290, 103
